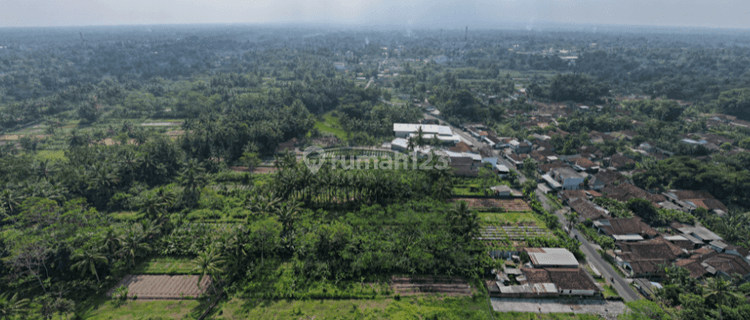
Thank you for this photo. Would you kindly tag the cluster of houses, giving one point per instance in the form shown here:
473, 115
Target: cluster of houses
550, 272
641, 250
464, 158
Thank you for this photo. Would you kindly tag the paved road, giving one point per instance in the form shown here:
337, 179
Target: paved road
593, 257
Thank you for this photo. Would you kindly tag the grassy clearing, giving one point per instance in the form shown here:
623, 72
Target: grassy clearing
609, 291
423, 307
420, 307
126, 216
159, 309
331, 125
165, 265
467, 191
51, 155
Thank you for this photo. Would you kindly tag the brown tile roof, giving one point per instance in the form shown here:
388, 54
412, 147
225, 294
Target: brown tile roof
572, 279
461, 147
563, 278
583, 162
517, 157
544, 144
628, 226
729, 264
626, 191
652, 249
691, 194
536, 275
619, 161
629, 133
568, 195
609, 177
692, 265
647, 266
594, 193
586, 209
587, 149
547, 167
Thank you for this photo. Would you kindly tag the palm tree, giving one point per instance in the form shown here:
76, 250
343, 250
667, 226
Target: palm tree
263, 204
442, 189
420, 140
193, 176
208, 264
288, 214
155, 205
410, 144
571, 217
719, 290
9, 200
110, 240
87, 259
12, 307
132, 242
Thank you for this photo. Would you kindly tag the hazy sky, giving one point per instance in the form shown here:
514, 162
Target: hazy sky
417, 14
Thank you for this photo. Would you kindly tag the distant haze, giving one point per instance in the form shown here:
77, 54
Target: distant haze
397, 13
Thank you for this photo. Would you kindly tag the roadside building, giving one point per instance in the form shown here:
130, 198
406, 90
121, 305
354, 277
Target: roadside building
551, 258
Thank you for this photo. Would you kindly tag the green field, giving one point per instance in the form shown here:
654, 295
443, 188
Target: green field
165, 265
50, 155
126, 215
425, 307
159, 309
331, 125
422, 307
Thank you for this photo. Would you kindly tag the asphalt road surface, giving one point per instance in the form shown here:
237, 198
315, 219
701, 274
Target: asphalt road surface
593, 257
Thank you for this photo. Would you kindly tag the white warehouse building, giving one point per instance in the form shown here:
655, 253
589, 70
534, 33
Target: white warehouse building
403, 130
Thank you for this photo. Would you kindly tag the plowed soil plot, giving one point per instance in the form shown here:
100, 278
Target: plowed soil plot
416, 285
512, 205
255, 170
163, 286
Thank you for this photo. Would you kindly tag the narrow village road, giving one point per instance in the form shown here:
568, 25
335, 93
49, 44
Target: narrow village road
593, 257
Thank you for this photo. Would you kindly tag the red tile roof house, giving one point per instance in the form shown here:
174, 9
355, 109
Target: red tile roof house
642, 259
590, 152
690, 200
626, 191
570, 195
620, 162
584, 164
545, 168
516, 159
588, 210
726, 265
625, 227
607, 177
568, 281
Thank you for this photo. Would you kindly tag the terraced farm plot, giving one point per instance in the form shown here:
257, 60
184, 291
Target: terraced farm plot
514, 233
443, 285
510, 205
163, 286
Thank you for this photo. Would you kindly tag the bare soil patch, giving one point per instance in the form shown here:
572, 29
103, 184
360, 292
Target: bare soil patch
420, 285
163, 286
513, 205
